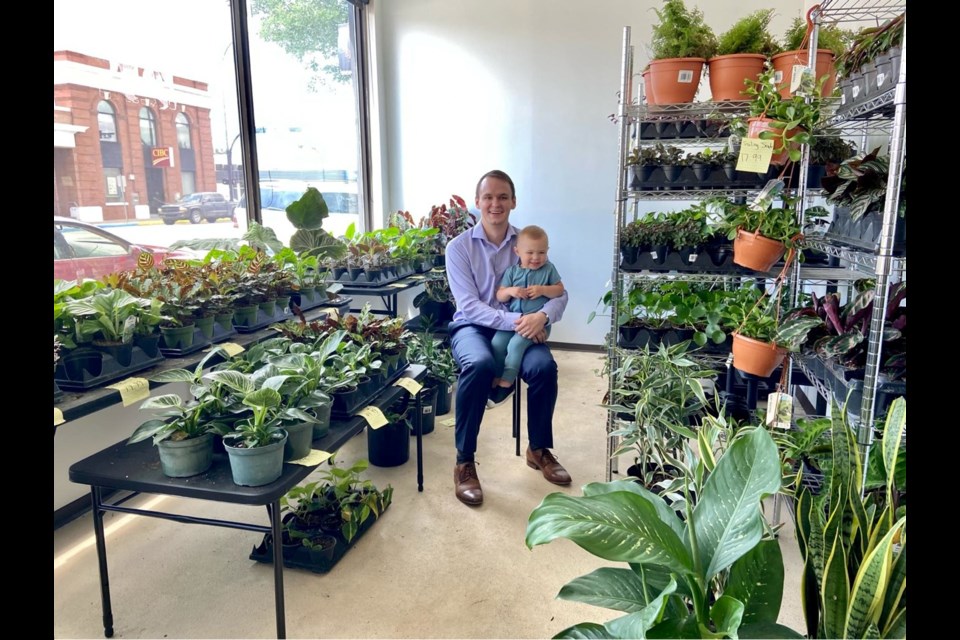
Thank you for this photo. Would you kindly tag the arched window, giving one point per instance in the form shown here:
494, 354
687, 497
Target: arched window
107, 121
183, 131
148, 127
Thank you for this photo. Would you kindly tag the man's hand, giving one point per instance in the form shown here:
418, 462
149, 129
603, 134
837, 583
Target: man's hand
531, 326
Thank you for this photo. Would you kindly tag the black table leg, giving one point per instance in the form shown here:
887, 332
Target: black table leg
419, 428
102, 559
516, 415
274, 510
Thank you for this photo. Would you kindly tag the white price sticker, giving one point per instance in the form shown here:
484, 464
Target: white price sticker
132, 390
685, 76
427, 410
855, 90
409, 384
653, 255
693, 257
881, 76
374, 417
58, 417
779, 410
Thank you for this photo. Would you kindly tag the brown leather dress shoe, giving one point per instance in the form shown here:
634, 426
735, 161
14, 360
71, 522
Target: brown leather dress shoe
546, 462
468, 484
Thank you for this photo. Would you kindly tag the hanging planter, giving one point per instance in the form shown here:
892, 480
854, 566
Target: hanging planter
757, 252
756, 357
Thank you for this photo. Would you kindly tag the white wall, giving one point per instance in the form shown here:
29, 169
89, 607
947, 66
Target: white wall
526, 86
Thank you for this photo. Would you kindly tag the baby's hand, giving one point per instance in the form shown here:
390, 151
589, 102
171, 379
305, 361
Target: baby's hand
519, 292
534, 291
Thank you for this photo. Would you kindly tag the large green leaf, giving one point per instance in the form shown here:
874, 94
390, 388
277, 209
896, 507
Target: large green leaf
636, 625
619, 526
893, 430
686, 627
318, 243
585, 630
309, 211
727, 519
609, 587
262, 238
164, 401
898, 627
667, 513
235, 380
869, 587
726, 614
835, 589
896, 589
172, 375
756, 580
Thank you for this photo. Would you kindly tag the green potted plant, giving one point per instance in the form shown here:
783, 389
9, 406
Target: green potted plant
755, 347
761, 232
741, 52
682, 42
108, 319
182, 434
716, 573
789, 122
442, 368
832, 41
256, 444
871, 65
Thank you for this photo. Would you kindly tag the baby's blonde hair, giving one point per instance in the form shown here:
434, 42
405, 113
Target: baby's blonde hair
533, 232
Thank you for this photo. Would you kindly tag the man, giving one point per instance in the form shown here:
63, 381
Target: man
476, 261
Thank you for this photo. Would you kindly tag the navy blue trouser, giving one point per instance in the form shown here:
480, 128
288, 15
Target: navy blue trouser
478, 367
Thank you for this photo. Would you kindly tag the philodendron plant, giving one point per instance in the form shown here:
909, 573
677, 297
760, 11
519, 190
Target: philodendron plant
715, 574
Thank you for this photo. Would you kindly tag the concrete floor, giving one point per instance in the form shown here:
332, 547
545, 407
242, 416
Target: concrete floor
430, 568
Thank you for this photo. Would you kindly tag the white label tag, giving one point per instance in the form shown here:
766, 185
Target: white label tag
779, 410
796, 75
855, 90
685, 76
778, 76
843, 98
427, 410
880, 78
653, 255
693, 257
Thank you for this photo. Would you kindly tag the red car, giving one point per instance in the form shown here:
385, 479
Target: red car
83, 250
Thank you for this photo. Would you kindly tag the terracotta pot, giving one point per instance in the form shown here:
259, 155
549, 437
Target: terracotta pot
727, 74
780, 154
783, 67
648, 88
756, 357
675, 80
754, 251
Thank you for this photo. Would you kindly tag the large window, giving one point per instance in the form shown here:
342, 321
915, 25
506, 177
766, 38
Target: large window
167, 117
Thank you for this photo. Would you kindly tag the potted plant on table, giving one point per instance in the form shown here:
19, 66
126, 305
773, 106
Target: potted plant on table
441, 366
108, 319
256, 443
741, 52
682, 42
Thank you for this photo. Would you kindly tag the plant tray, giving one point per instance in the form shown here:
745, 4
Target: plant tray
301, 558
263, 320
716, 179
385, 278
346, 405
864, 234
199, 342
850, 381
102, 371
717, 259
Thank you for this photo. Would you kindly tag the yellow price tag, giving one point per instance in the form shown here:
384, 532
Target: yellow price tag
418, 277
58, 417
132, 390
755, 155
398, 285
312, 459
409, 384
232, 348
449, 422
374, 417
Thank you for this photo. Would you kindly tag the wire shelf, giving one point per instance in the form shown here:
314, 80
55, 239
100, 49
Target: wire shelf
818, 383
861, 261
692, 194
687, 111
859, 10
873, 115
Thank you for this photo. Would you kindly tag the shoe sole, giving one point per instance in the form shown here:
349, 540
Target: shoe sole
491, 404
536, 467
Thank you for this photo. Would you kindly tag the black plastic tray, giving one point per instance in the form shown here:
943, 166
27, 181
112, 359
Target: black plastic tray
346, 405
301, 557
109, 371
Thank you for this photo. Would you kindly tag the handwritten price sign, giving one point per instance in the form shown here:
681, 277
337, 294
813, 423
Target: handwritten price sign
374, 417
132, 390
409, 384
755, 155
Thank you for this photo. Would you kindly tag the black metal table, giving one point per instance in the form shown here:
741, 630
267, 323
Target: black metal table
136, 468
387, 293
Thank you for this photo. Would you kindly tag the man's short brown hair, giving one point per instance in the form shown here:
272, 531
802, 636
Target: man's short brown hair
499, 175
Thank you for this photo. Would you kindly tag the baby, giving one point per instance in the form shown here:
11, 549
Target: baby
526, 287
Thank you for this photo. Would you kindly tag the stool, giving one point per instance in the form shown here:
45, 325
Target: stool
516, 415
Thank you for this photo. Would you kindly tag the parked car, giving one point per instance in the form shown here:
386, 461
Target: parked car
197, 207
83, 250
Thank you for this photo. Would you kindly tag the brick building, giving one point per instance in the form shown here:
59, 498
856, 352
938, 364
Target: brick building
126, 139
